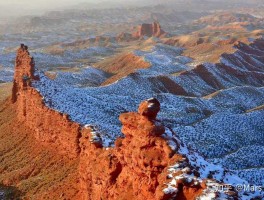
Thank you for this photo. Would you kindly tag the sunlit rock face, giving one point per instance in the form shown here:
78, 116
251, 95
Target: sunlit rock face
49, 126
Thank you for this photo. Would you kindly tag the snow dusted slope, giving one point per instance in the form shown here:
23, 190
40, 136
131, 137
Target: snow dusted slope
88, 76
7, 60
164, 60
215, 188
216, 126
6, 74
70, 58
46, 61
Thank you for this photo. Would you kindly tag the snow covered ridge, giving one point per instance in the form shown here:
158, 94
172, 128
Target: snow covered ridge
221, 184
164, 60
88, 76
215, 126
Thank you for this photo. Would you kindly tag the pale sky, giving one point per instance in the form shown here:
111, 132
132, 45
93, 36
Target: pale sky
25, 7
39, 3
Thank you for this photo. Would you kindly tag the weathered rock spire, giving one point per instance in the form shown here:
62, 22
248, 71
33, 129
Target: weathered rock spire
24, 71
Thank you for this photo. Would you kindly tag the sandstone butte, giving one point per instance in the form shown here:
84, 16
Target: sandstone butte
144, 30
149, 30
135, 169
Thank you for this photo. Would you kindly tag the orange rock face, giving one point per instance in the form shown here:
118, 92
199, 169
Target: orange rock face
137, 167
131, 169
24, 71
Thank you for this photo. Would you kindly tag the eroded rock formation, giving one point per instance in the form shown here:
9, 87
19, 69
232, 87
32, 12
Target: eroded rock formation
49, 126
136, 168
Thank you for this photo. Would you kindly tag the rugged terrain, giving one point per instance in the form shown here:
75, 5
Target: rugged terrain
90, 180
90, 145
66, 126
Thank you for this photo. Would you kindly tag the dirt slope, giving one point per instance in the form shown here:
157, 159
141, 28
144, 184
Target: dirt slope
5, 91
33, 169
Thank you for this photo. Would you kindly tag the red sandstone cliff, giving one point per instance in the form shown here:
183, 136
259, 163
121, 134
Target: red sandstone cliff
135, 169
49, 126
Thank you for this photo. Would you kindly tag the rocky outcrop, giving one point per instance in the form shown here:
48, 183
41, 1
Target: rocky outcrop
149, 30
50, 127
133, 166
137, 165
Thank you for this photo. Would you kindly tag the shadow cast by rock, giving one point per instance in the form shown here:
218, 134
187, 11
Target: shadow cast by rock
9, 193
